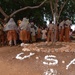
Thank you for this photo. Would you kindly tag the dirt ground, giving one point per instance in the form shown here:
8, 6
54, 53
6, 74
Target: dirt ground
37, 64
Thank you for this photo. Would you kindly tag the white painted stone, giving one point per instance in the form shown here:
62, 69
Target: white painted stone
51, 60
72, 62
22, 58
63, 61
50, 72
37, 57
25, 49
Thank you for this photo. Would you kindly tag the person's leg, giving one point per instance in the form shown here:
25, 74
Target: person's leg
67, 34
15, 42
10, 42
62, 32
48, 36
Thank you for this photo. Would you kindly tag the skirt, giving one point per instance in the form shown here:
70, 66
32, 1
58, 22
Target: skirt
11, 35
23, 35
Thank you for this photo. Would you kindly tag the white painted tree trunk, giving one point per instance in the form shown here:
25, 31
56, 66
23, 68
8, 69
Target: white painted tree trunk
55, 30
54, 18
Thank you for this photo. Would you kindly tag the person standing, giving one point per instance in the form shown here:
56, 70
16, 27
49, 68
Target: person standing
11, 29
2, 37
68, 23
18, 23
28, 32
50, 28
57, 32
33, 32
23, 30
44, 36
39, 33
61, 31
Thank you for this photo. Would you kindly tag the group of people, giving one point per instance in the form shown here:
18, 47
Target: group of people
28, 32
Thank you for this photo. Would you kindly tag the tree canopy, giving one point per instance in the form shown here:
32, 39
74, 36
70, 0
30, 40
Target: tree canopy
38, 14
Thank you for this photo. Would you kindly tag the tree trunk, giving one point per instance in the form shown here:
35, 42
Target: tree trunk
55, 23
56, 14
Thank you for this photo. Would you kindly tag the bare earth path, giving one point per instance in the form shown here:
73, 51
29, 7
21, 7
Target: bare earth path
36, 64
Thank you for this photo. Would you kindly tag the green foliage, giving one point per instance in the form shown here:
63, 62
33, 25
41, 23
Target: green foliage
37, 15
69, 10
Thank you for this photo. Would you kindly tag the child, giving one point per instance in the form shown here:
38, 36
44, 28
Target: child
44, 36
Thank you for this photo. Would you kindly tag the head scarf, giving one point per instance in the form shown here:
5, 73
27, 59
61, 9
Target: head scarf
19, 22
11, 25
24, 23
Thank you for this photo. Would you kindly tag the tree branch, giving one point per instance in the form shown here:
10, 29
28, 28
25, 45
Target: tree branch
62, 7
2, 12
51, 7
56, 6
28, 7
